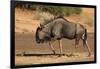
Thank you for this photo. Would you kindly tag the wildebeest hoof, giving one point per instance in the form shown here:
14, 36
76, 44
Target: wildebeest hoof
54, 52
89, 54
61, 55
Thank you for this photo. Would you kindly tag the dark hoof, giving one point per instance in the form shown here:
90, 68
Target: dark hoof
89, 54
54, 52
61, 55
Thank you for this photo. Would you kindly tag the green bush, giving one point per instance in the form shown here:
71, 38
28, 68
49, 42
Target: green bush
60, 10
55, 10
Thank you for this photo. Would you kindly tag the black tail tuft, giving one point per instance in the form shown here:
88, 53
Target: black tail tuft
85, 37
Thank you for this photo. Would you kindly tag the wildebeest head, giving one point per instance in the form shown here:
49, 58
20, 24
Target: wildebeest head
41, 35
37, 34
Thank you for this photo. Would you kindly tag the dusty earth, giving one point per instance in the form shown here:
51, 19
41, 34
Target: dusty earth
28, 52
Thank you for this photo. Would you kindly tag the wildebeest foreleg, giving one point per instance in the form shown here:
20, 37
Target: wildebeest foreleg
60, 46
52, 48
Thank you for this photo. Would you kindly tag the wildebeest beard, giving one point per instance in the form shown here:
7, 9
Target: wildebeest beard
38, 40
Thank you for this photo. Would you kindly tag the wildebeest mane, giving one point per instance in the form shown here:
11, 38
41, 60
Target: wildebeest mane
52, 19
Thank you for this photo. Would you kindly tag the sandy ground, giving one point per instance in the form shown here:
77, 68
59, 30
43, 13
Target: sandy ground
31, 60
41, 53
26, 23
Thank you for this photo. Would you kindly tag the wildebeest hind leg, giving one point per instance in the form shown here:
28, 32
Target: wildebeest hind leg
88, 48
76, 42
85, 44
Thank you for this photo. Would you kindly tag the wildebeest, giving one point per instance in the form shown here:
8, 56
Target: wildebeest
59, 28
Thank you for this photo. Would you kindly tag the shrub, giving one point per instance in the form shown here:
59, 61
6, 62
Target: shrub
59, 10
55, 10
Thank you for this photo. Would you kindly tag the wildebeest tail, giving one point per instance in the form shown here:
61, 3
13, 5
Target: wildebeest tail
85, 37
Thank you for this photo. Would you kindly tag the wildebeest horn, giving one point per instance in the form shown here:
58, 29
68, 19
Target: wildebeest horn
41, 26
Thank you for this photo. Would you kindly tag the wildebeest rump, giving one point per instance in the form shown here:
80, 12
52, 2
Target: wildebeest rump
59, 28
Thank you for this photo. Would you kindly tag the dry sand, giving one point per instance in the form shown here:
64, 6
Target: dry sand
41, 53
30, 60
